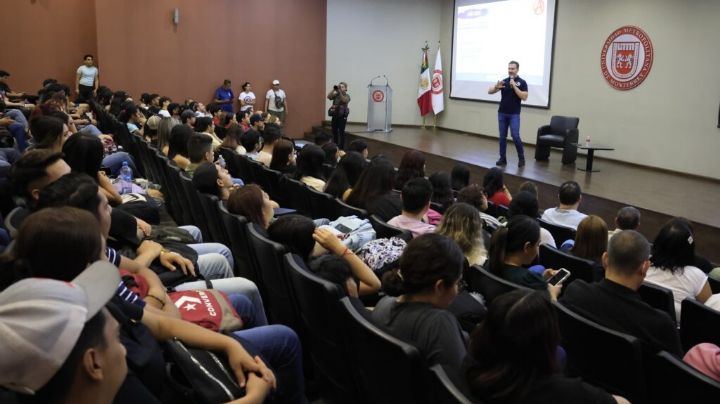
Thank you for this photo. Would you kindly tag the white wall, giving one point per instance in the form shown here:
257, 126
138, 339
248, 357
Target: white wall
366, 38
669, 121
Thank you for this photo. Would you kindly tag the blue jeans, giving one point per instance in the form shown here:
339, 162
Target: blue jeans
17, 116
90, 130
18, 132
246, 310
205, 248
8, 157
280, 349
513, 121
114, 163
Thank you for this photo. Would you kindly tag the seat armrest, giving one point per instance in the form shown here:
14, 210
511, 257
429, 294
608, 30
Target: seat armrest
544, 130
571, 135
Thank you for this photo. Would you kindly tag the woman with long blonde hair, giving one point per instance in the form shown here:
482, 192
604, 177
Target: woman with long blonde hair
462, 223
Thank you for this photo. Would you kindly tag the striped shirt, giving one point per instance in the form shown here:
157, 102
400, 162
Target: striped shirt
122, 291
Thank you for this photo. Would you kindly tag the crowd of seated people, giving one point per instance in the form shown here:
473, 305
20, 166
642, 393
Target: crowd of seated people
73, 211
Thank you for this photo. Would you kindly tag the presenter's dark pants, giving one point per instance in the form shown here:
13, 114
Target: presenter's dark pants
338, 129
85, 93
512, 121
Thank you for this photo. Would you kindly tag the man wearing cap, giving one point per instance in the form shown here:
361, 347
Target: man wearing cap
257, 122
58, 342
276, 101
188, 118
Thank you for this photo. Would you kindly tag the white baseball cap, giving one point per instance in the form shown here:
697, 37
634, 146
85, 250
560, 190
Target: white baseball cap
276, 82
41, 320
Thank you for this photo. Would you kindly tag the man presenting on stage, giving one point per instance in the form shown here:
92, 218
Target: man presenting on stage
513, 90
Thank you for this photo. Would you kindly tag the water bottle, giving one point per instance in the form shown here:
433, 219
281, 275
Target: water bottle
587, 141
126, 178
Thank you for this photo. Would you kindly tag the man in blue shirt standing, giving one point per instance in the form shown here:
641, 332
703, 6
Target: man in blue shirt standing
224, 96
513, 90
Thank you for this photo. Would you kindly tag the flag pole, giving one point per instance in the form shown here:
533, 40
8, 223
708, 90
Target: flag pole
435, 115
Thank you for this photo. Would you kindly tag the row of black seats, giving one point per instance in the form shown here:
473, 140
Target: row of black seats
348, 364
355, 360
617, 362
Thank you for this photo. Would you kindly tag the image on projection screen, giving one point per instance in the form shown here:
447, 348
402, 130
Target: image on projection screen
488, 34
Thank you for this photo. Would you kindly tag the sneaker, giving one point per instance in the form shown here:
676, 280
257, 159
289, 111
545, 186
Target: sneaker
521, 163
501, 162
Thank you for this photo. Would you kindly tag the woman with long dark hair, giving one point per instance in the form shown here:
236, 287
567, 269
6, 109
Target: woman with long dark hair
513, 248
84, 154
513, 356
495, 188
673, 264
374, 190
345, 176
442, 191
177, 145
283, 157
412, 165
310, 167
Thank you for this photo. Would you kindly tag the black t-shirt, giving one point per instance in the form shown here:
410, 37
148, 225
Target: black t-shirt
509, 101
522, 276
146, 366
620, 308
557, 389
435, 332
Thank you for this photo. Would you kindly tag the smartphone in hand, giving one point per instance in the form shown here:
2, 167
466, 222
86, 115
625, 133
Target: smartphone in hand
559, 277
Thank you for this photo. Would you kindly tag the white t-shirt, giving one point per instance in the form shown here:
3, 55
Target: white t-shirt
686, 283
270, 96
87, 75
563, 217
547, 238
247, 97
264, 157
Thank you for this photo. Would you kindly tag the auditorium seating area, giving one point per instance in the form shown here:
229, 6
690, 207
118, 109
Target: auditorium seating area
348, 358
344, 348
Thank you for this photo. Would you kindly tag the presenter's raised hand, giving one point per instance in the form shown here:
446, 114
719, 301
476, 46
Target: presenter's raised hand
500, 84
512, 82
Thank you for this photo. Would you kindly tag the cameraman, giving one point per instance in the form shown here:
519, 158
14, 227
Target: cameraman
339, 112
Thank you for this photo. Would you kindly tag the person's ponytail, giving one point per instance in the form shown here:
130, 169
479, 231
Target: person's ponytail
496, 255
392, 283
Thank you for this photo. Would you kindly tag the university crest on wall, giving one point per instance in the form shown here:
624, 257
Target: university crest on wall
626, 58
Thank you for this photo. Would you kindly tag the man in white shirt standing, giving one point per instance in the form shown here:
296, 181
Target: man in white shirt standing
86, 81
276, 101
566, 214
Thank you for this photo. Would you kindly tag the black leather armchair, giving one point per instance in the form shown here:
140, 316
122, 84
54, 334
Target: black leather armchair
562, 131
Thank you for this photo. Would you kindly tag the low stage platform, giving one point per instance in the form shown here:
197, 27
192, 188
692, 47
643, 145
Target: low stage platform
659, 194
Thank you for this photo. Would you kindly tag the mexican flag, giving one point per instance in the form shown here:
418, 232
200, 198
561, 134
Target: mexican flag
424, 99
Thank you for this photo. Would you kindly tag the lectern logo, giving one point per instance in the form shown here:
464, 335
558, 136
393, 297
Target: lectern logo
378, 96
626, 58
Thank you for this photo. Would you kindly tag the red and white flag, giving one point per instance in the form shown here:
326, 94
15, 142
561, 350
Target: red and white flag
424, 99
438, 104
